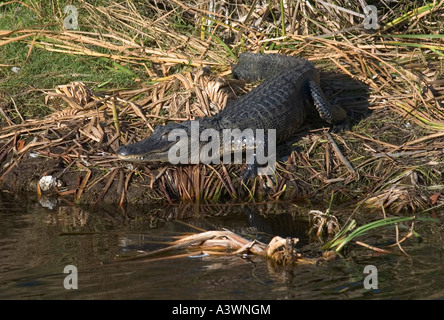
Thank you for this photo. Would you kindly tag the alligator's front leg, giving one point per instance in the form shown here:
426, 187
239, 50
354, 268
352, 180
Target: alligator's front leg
249, 172
251, 169
249, 146
257, 161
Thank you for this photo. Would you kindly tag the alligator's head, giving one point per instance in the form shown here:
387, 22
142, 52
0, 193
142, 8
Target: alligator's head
156, 147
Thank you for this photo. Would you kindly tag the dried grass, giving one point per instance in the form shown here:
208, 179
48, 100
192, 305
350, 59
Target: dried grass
279, 251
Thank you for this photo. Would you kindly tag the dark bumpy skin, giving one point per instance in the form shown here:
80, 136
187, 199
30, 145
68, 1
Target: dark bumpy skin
281, 102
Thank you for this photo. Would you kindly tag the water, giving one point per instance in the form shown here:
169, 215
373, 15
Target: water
36, 243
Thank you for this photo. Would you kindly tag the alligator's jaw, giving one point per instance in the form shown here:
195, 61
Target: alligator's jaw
142, 151
158, 157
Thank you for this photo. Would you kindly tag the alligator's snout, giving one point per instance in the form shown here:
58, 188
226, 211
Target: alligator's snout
129, 154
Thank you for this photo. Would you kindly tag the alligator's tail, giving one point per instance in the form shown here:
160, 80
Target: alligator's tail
256, 66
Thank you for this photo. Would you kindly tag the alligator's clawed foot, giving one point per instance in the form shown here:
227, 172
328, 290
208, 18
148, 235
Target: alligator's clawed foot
249, 172
272, 179
340, 127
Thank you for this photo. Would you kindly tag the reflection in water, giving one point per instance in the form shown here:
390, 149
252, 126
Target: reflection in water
37, 242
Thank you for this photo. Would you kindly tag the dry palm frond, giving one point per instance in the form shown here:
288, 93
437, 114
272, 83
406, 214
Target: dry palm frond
279, 250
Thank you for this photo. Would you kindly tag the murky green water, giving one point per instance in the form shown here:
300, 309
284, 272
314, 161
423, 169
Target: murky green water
36, 243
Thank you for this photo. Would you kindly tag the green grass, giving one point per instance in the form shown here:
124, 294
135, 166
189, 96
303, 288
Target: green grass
350, 232
45, 69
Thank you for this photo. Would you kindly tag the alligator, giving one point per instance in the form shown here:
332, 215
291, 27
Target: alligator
289, 94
